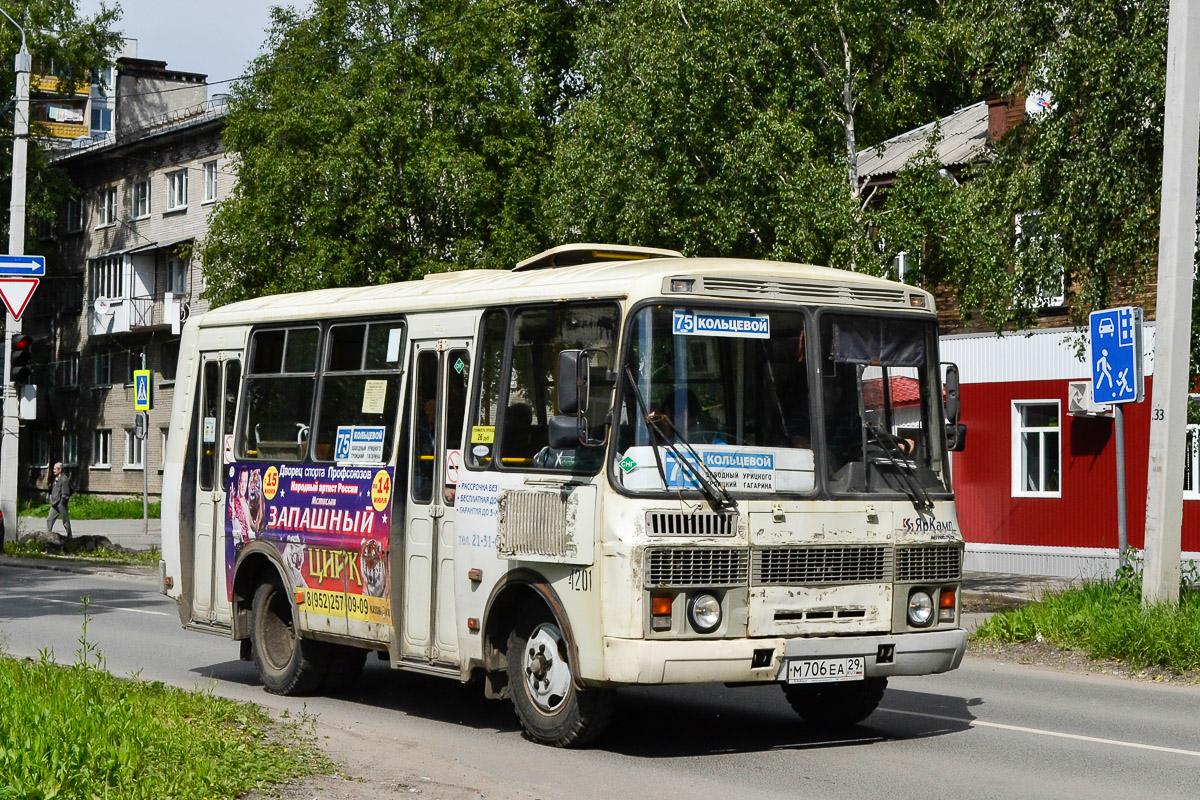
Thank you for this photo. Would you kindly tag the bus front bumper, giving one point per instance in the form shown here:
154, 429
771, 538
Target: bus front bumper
637, 661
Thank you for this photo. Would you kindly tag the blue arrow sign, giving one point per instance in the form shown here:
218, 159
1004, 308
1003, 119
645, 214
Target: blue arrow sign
1115, 352
25, 266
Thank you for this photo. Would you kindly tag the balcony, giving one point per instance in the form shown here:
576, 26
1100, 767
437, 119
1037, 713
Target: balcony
109, 316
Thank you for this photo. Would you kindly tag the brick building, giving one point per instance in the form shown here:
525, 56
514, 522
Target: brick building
121, 276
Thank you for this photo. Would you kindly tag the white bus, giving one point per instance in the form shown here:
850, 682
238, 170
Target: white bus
608, 466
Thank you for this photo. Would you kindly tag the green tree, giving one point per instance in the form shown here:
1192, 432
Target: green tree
377, 140
56, 35
732, 129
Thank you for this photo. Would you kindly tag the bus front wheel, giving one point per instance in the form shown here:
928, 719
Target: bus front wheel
286, 664
551, 708
835, 705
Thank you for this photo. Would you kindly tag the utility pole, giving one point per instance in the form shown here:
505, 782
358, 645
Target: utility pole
9, 437
1176, 256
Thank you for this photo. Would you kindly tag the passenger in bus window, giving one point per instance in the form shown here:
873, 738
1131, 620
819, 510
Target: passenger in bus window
426, 436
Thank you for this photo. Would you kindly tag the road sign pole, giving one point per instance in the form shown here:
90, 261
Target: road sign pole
9, 436
1176, 256
1122, 516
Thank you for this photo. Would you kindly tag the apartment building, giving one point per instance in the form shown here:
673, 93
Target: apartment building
121, 277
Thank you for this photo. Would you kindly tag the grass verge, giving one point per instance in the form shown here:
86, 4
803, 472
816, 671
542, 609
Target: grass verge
86, 506
35, 549
1106, 620
77, 732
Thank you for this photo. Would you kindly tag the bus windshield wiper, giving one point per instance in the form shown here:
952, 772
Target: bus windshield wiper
691, 464
905, 468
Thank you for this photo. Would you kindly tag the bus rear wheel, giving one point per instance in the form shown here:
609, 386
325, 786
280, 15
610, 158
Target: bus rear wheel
551, 708
835, 705
286, 663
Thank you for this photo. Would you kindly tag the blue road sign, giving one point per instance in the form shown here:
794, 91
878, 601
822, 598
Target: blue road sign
1115, 353
141, 390
25, 266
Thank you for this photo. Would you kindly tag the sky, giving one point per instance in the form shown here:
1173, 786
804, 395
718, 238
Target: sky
217, 38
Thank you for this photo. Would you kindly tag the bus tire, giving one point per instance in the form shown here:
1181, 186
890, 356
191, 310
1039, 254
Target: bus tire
345, 666
551, 709
835, 705
286, 663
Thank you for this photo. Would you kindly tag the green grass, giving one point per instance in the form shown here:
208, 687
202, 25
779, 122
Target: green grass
1106, 620
33, 549
77, 732
87, 506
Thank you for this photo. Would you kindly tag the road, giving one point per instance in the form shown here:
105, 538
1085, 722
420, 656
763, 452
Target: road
988, 730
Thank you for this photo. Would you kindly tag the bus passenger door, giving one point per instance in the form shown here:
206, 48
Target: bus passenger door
220, 376
439, 373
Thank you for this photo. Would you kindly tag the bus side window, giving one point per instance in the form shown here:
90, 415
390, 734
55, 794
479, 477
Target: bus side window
481, 441
280, 384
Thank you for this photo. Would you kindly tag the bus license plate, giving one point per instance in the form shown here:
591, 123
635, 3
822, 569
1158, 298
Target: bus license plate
824, 670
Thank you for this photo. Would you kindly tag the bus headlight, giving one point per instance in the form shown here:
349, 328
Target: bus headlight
920, 608
704, 611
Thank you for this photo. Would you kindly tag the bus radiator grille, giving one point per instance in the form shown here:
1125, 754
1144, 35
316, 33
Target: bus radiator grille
928, 563
811, 291
672, 523
815, 566
696, 566
535, 524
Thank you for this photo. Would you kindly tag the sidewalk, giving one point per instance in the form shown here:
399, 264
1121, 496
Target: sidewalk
125, 532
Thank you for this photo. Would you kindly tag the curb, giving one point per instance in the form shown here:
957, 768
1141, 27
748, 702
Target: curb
75, 566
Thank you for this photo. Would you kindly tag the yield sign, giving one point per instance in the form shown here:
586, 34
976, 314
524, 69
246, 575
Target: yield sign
16, 293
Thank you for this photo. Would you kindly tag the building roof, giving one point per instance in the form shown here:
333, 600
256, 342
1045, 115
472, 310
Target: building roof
964, 136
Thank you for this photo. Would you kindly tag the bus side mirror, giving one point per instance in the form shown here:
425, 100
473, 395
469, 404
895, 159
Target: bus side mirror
956, 437
952, 404
573, 380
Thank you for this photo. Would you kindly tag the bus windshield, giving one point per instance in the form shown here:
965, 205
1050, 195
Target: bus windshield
735, 394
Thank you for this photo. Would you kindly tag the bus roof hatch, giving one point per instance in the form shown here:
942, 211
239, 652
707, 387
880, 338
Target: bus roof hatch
570, 255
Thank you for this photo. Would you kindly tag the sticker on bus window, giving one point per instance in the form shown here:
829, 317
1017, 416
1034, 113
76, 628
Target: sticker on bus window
744, 326
359, 443
374, 396
483, 434
481, 450
210, 430
393, 345
627, 464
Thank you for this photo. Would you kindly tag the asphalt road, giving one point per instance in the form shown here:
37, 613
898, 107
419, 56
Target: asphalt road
988, 730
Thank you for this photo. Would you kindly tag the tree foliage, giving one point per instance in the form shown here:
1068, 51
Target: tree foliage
380, 139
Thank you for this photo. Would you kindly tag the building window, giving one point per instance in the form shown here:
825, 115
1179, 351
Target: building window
70, 449
75, 215
177, 183
101, 448
141, 199
45, 229
108, 208
106, 278
177, 275
162, 453
210, 181
1037, 449
41, 449
170, 360
132, 363
68, 372
101, 121
135, 450
102, 372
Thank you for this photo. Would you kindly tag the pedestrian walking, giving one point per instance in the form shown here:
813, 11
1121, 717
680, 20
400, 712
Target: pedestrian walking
60, 498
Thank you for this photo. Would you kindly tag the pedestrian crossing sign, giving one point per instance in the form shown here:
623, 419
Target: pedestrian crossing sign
1115, 353
141, 390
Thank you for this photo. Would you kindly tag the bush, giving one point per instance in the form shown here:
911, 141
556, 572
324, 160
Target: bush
90, 506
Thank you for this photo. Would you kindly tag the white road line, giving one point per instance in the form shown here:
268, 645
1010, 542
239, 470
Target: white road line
1040, 732
100, 605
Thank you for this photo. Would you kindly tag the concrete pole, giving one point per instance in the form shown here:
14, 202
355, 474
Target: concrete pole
1176, 256
9, 438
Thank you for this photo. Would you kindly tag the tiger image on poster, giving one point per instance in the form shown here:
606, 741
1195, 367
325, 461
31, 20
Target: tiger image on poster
293, 560
374, 572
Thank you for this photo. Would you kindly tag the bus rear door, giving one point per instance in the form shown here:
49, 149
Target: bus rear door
220, 376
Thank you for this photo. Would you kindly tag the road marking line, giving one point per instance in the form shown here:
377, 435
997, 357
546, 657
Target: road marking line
1039, 731
101, 605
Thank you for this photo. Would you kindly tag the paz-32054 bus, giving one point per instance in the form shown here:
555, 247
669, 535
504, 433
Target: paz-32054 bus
608, 466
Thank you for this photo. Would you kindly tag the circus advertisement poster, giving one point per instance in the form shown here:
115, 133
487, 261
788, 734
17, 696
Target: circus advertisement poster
329, 525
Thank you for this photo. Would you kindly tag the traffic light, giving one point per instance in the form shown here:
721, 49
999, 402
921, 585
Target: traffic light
19, 354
